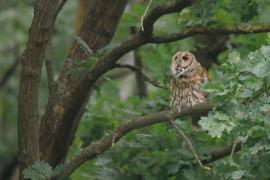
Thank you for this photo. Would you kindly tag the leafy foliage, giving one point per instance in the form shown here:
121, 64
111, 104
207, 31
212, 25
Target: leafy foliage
240, 93
41, 171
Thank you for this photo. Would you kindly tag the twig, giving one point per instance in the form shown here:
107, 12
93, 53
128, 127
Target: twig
114, 137
233, 148
144, 14
145, 77
183, 135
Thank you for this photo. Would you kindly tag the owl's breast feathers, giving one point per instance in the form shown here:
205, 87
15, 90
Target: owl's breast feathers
186, 91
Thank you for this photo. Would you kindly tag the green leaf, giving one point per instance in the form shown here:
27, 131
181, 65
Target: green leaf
173, 169
234, 58
216, 123
57, 170
212, 87
31, 174
214, 128
246, 93
266, 52
261, 70
41, 170
256, 148
265, 108
223, 17
238, 174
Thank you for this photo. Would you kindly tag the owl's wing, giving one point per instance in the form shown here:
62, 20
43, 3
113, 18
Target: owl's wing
204, 78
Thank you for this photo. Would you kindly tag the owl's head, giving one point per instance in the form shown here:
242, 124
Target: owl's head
183, 62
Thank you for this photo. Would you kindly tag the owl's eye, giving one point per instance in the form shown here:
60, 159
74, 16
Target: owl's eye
185, 58
175, 57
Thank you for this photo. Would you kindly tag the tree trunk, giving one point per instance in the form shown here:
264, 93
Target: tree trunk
28, 122
66, 105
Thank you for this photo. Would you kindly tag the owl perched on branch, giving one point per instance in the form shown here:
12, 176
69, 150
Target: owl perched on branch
188, 75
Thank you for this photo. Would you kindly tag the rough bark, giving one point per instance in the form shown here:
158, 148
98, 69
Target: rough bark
81, 12
40, 32
66, 105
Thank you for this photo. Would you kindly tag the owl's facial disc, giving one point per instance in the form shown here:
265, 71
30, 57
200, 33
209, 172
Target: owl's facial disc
181, 62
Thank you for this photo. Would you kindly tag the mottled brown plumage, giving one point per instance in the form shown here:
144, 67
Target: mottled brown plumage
188, 75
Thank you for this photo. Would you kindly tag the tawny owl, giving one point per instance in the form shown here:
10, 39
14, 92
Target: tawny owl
188, 75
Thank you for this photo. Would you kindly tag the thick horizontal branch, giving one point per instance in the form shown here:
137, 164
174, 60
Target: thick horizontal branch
106, 142
145, 77
199, 30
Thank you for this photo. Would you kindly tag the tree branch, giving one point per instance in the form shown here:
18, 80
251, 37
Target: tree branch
157, 12
145, 77
222, 152
144, 14
217, 154
106, 142
138, 39
40, 33
200, 30
60, 6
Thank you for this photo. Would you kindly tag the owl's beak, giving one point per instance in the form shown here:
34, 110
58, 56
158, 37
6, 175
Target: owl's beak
180, 73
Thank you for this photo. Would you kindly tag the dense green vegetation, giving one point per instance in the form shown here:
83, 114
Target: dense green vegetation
239, 91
